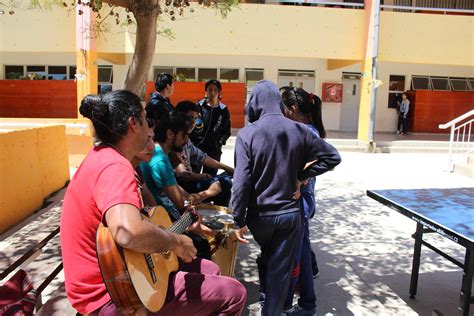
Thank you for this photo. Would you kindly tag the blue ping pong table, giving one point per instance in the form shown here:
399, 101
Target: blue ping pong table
448, 212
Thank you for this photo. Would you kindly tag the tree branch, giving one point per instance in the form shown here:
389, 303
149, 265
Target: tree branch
144, 52
119, 3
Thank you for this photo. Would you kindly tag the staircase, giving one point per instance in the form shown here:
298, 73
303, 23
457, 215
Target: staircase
466, 169
461, 144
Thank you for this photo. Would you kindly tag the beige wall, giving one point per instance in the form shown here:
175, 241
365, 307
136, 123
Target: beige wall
271, 37
263, 30
427, 38
33, 164
38, 31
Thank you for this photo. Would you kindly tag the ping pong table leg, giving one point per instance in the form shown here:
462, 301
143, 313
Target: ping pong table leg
466, 289
418, 235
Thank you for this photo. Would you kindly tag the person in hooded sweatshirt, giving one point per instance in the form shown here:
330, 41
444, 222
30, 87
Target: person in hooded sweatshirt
273, 155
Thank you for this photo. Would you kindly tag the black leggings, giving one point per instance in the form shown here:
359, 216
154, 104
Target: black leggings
402, 124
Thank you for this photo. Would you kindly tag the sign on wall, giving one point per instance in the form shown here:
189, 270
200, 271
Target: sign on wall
332, 92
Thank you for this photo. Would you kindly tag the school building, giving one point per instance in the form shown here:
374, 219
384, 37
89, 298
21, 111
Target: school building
424, 46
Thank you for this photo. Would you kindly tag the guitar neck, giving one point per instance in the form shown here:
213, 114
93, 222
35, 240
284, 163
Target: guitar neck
180, 225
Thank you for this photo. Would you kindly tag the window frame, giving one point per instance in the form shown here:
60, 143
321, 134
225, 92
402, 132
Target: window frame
420, 76
439, 78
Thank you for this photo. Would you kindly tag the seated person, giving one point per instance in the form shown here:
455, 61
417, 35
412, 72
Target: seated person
171, 135
104, 189
195, 182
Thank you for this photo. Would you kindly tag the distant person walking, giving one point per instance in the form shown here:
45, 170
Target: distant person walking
402, 125
273, 155
213, 126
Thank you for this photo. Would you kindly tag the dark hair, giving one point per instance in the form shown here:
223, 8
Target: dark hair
162, 80
174, 121
213, 82
187, 106
110, 113
154, 112
308, 104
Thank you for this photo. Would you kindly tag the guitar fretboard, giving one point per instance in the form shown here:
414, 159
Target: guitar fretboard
180, 225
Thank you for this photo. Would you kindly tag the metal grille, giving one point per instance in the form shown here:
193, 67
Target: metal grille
441, 4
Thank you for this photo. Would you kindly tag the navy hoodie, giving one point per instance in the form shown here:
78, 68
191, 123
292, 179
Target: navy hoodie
270, 155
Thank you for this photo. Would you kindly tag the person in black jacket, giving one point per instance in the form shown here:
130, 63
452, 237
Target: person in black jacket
159, 102
213, 127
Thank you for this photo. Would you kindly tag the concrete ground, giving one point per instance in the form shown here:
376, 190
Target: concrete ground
364, 249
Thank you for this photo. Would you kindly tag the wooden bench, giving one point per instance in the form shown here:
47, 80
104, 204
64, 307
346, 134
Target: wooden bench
34, 246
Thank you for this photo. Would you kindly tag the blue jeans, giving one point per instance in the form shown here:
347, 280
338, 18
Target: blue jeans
277, 237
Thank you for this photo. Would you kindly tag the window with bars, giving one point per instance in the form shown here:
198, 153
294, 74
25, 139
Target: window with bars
57, 73
229, 75
471, 83
459, 84
206, 74
440, 83
186, 74
396, 88
105, 79
420, 83
14, 72
162, 69
36, 72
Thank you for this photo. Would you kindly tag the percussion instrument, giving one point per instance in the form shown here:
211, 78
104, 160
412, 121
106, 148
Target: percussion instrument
224, 243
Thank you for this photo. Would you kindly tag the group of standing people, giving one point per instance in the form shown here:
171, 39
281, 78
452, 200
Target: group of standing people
166, 155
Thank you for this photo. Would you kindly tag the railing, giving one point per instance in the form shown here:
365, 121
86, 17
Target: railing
426, 9
354, 5
463, 7
460, 138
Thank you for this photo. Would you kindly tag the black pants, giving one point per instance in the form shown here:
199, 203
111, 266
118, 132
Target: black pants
402, 124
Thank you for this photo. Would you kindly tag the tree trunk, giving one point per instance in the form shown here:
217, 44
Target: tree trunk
144, 51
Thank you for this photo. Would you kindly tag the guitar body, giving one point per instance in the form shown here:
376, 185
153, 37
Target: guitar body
135, 280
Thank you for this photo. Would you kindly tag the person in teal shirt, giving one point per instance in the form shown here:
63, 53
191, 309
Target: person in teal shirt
171, 135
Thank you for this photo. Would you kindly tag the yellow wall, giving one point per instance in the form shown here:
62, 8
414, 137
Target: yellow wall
78, 142
38, 30
263, 30
33, 164
427, 38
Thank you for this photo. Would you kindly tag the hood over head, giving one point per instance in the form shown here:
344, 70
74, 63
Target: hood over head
264, 99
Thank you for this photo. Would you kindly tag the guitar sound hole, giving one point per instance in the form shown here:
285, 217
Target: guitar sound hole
151, 266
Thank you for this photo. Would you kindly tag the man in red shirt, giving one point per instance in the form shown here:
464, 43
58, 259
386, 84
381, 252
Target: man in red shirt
104, 189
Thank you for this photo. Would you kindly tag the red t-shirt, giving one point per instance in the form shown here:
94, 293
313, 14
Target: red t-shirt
104, 179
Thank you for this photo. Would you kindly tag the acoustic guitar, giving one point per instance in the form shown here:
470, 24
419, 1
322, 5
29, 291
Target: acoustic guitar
139, 280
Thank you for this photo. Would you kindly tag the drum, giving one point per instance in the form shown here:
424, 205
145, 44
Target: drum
224, 244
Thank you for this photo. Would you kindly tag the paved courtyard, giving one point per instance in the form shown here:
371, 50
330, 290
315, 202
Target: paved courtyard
364, 249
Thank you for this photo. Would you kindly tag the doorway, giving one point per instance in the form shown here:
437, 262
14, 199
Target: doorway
349, 119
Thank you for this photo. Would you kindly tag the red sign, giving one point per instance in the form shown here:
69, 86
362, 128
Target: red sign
332, 92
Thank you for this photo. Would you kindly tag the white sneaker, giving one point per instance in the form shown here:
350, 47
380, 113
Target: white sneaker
298, 310
255, 309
